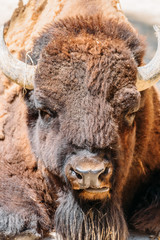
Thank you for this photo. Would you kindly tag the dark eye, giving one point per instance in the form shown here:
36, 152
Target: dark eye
47, 115
129, 118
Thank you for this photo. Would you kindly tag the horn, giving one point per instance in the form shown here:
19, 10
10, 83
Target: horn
149, 74
16, 70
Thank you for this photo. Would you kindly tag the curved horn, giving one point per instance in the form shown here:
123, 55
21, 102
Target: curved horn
16, 70
149, 74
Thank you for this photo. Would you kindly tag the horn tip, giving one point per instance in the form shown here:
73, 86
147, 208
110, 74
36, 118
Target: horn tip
157, 29
2, 28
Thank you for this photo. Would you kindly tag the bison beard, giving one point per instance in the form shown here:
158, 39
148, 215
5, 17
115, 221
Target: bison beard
89, 221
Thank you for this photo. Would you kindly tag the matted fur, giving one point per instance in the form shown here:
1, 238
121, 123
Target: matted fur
96, 26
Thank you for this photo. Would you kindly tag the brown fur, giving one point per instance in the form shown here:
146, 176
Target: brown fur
84, 99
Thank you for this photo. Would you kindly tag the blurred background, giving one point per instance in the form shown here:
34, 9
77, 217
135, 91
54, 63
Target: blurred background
142, 13
147, 11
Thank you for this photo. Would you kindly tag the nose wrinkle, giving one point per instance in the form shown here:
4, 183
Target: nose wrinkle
90, 180
94, 182
86, 180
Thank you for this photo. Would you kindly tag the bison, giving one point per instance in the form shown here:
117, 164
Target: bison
80, 139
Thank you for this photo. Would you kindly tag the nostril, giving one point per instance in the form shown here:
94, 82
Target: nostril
75, 174
104, 173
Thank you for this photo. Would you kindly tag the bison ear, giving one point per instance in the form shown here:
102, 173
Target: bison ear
149, 74
16, 70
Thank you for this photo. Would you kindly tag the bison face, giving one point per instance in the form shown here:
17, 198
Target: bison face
84, 126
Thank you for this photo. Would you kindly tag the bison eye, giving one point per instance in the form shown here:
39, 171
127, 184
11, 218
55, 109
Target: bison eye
47, 115
129, 118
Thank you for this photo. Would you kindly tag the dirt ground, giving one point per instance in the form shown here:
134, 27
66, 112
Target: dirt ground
142, 13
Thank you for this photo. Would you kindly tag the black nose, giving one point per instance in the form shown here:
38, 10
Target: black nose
91, 177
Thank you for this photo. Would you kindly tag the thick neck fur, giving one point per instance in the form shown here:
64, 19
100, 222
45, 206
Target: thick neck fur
147, 153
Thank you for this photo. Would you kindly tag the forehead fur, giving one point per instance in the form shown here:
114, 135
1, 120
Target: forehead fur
97, 26
112, 29
106, 54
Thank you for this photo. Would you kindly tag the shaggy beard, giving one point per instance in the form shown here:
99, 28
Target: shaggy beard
83, 221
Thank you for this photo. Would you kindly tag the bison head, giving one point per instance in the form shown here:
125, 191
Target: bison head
82, 120
85, 101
